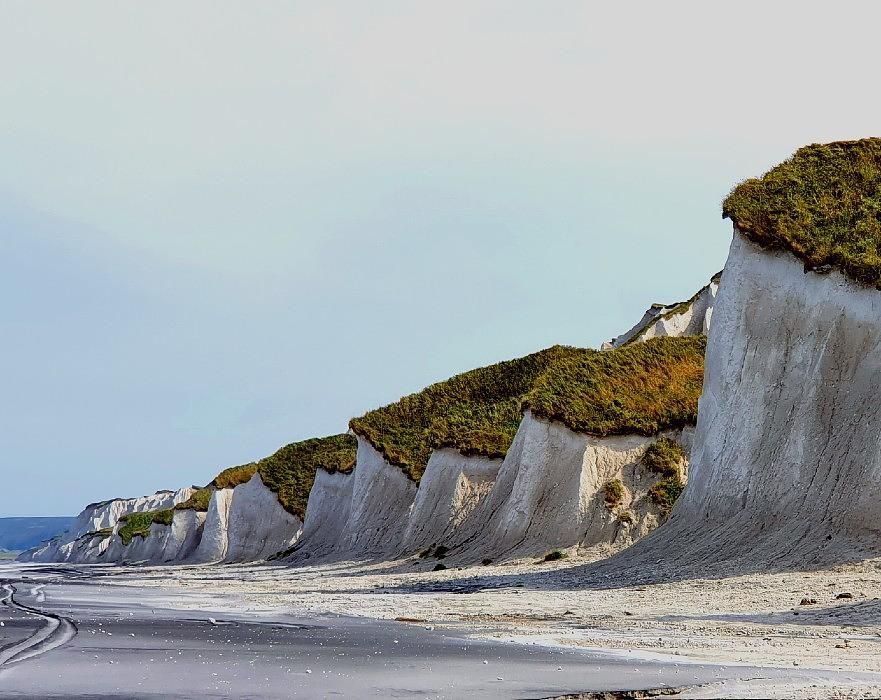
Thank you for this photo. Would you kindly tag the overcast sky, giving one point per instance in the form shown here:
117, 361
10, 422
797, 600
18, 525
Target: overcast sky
228, 226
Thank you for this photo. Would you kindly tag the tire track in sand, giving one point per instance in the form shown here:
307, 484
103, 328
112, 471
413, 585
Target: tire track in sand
56, 631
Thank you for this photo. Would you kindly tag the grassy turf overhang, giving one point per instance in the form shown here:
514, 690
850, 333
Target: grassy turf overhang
642, 388
289, 472
823, 204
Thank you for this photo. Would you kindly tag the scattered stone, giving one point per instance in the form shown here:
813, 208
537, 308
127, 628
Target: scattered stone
843, 596
808, 601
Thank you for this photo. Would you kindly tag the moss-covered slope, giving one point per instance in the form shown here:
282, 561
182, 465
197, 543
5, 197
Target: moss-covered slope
289, 472
641, 388
823, 204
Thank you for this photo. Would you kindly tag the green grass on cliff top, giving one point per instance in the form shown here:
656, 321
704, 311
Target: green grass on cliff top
642, 388
823, 204
289, 472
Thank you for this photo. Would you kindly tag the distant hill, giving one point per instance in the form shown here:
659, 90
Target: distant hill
17, 534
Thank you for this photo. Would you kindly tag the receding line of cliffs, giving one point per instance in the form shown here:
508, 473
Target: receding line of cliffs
543, 472
559, 449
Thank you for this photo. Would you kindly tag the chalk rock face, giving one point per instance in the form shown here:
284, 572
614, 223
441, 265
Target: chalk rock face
214, 543
450, 489
327, 512
183, 536
362, 515
686, 319
245, 523
381, 500
78, 545
257, 524
550, 493
787, 457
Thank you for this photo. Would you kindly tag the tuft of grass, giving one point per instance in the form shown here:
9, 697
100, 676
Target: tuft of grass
664, 457
613, 493
199, 501
642, 388
138, 524
556, 555
823, 204
625, 516
234, 476
666, 491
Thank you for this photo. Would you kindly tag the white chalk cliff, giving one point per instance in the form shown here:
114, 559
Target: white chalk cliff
549, 494
786, 465
92, 533
546, 494
245, 523
690, 317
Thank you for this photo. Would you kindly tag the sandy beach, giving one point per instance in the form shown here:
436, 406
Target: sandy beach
499, 631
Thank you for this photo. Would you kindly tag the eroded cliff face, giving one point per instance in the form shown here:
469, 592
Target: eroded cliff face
786, 468
550, 493
692, 317
452, 487
327, 513
245, 523
94, 529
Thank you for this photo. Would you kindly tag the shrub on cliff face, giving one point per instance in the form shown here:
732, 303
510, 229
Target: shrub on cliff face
664, 456
613, 493
666, 491
823, 204
643, 388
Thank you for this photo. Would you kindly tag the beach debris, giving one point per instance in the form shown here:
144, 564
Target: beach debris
808, 601
844, 596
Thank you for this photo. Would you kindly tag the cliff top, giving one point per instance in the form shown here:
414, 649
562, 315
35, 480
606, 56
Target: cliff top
823, 204
642, 388
289, 472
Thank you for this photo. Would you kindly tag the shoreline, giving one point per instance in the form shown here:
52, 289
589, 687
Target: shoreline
742, 622
153, 640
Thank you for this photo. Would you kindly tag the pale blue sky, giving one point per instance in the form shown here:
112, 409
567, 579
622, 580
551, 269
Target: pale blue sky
227, 226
